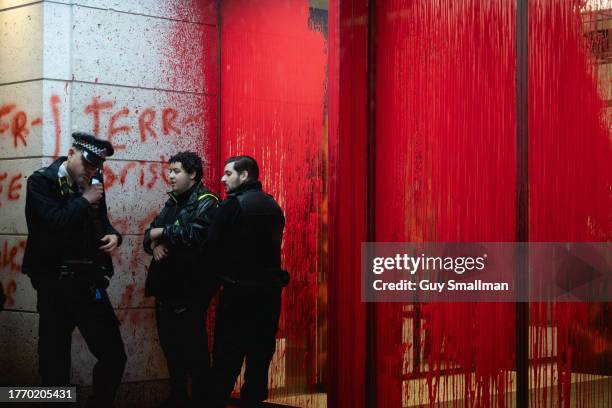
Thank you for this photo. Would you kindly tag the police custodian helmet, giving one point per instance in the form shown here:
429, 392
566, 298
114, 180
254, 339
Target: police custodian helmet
95, 150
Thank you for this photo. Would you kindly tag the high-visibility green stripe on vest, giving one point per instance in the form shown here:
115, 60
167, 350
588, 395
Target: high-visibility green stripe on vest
203, 196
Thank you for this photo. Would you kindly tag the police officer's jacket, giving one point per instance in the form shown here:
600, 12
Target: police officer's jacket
247, 233
62, 225
185, 274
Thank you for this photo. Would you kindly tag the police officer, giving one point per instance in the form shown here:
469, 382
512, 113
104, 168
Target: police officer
179, 279
247, 232
68, 259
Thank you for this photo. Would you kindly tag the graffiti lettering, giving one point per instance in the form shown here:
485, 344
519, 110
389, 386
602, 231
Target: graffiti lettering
113, 129
168, 118
171, 123
19, 128
94, 108
148, 174
9, 292
5, 110
17, 124
8, 255
13, 186
145, 120
124, 172
167, 121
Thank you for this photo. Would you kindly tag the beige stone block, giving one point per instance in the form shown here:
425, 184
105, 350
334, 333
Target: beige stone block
13, 185
21, 43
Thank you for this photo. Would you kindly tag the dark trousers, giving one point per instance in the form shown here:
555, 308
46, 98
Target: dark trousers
245, 328
64, 305
181, 327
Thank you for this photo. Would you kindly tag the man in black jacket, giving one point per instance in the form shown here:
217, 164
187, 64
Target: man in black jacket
68, 260
179, 279
247, 233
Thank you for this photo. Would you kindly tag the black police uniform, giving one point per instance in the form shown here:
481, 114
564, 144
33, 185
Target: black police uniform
183, 287
247, 232
70, 273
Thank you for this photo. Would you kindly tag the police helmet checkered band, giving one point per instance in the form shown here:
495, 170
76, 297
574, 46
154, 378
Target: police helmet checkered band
97, 150
94, 150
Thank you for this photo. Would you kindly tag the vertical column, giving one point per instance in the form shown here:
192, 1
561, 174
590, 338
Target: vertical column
23, 121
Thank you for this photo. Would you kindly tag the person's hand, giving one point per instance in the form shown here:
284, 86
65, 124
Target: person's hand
93, 193
110, 243
156, 233
160, 252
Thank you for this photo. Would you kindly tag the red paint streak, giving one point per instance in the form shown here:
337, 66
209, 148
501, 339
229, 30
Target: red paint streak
569, 189
10, 291
273, 108
145, 121
36, 122
5, 110
164, 169
125, 170
3, 177
153, 171
128, 296
55, 101
141, 178
14, 187
19, 128
347, 202
109, 177
9, 255
120, 224
445, 137
138, 253
94, 108
168, 118
144, 223
113, 129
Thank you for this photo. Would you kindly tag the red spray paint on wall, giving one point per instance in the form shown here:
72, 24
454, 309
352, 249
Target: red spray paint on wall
445, 131
570, 189
272, 108
54, 102
347, 201
16, 124
445, 168
10, 186
198, 71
